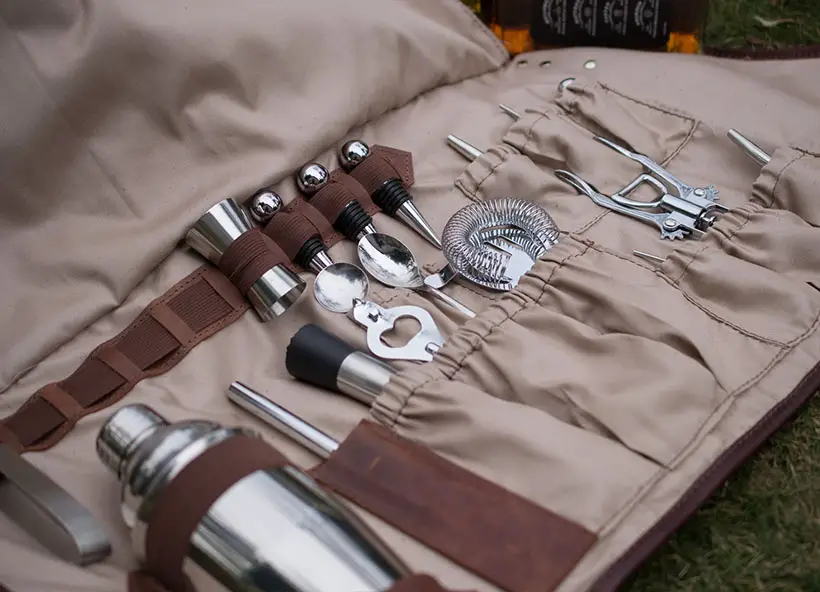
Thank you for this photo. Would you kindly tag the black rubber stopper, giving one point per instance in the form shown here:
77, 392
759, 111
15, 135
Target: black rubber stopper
312, 246
390, 196
314, 356
352, 220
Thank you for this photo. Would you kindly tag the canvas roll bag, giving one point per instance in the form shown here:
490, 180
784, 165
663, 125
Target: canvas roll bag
612, 392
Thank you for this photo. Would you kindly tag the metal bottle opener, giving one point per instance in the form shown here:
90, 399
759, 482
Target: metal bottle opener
684, 210
379, 320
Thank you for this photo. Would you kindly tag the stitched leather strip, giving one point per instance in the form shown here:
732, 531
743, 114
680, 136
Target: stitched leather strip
169, 320
486, 529
61, 401
382, 164
192, 308
185, 501
249, 257
118, 362
341, 188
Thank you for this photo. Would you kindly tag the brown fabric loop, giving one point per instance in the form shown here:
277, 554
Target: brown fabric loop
118, 362
319, 222
192, 492
166, 317
61, 401
249, 257
223, 286
141, 581
198, 311
291, 230
331, 199
384, 163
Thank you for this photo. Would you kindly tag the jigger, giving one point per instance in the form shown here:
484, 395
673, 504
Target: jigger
391, 196
353, 222
211, 235
264, 205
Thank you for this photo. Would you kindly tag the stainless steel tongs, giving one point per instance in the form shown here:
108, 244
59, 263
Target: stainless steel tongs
680, 210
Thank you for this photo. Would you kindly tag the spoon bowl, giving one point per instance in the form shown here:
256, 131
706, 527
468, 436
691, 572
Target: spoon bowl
337, 286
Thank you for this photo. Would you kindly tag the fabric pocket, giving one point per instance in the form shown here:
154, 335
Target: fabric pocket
791, 181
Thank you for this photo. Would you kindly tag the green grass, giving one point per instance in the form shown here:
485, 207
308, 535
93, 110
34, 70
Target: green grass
732, 23
761, 531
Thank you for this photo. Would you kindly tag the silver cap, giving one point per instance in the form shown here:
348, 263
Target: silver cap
123, 432
352, 153
311, 178
264, 205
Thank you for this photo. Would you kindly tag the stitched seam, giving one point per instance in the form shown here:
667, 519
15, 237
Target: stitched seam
667, 110
476, 343
780, 176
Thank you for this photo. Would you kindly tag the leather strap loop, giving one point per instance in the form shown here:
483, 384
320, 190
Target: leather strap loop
249, 257
186, 500
341, 188
61, 401
172, 323
382, 164
118, 362
153, 343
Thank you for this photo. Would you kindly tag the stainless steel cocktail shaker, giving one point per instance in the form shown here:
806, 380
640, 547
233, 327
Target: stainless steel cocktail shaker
273, 530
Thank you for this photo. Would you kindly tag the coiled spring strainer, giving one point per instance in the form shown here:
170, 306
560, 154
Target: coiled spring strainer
472, 239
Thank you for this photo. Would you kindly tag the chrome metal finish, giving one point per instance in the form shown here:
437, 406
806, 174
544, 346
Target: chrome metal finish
510, 111
275, 292
264, 205
217, 228
466, 149
649, 256
363, 377
754, 151
680, 210
369, 229
352, 153
565, 83
117, 439
493, 243
392, 263
311, 178
282, 420
438, 280
277, 289
48, 513
410, 215
272, 530
379, 320
590, 65
342, 288
320, 261
337, 286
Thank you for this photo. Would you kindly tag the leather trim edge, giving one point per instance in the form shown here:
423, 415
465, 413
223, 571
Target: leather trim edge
799, 52
709, 482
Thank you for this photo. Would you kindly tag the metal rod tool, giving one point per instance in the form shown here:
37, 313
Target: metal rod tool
392, 197
751, 149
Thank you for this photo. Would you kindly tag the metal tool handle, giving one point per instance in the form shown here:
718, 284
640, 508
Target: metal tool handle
48, 512
751, 149
451, 301
282, 420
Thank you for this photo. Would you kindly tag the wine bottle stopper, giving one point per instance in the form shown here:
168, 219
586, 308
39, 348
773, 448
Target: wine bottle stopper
311, 178
352, 153
264, 205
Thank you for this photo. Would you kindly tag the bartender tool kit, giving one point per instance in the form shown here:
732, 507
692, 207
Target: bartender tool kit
214, 508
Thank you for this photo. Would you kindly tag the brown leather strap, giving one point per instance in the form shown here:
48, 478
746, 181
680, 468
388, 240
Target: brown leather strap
153, 343
498, 535
418, 583
341, 188
291, 230
249, 257
301, 206
186, 499
382, 164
